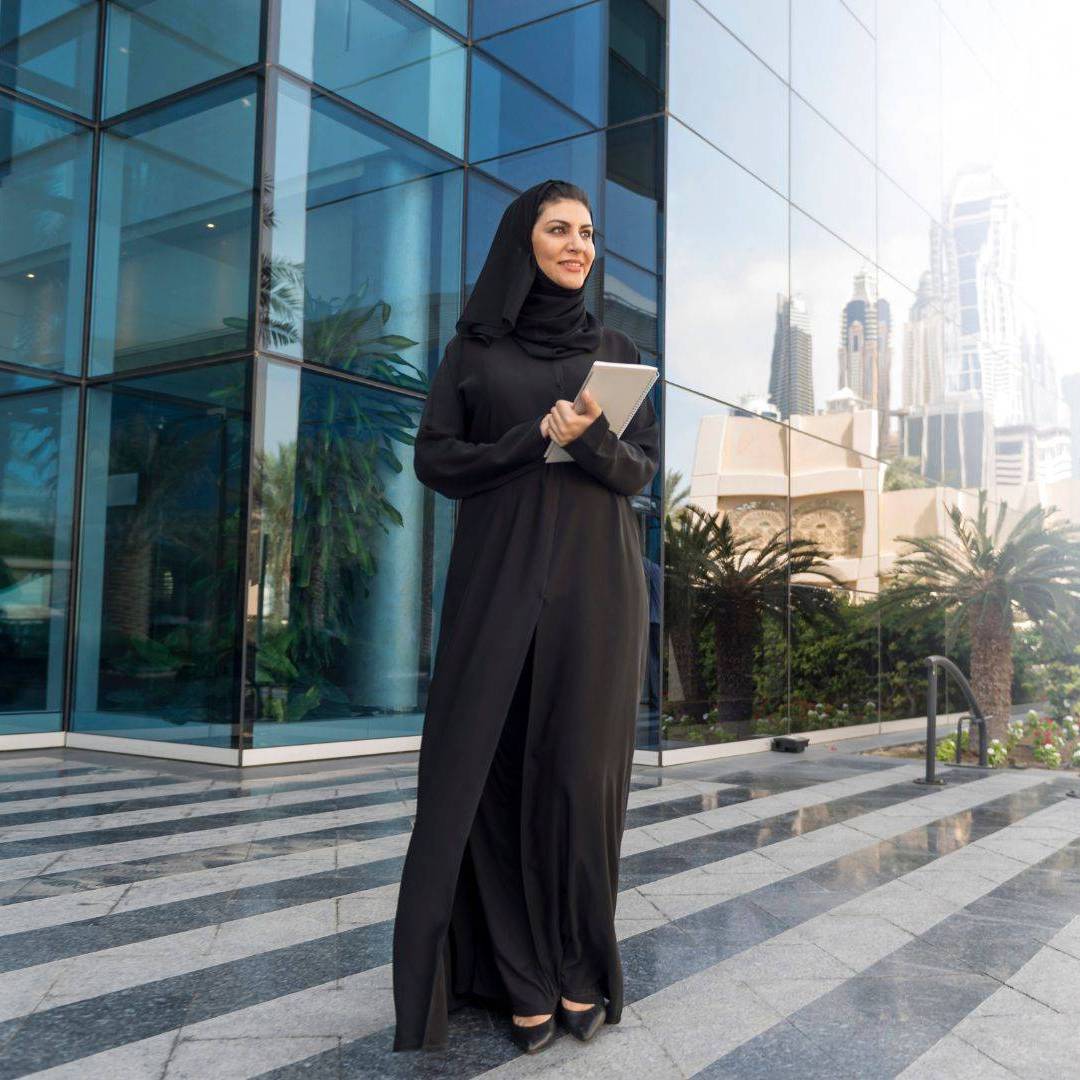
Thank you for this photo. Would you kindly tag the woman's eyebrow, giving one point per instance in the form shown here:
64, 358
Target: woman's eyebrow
559, 221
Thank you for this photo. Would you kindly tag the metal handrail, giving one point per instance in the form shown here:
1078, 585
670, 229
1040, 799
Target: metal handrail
977, 718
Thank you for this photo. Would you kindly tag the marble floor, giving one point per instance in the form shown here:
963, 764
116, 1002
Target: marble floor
810, 916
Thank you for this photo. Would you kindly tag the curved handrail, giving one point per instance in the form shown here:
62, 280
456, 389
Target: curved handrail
934, 662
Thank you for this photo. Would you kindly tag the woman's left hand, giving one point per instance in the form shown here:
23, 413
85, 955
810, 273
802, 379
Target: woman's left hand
565, 424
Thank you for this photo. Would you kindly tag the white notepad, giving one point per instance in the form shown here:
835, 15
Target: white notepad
620, 389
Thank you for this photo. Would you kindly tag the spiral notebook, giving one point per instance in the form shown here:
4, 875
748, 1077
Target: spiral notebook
620, 389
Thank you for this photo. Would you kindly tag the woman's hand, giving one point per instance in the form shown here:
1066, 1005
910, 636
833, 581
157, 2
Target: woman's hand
564, 424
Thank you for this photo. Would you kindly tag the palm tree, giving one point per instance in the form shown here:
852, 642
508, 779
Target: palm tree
732, 584
987, 579
746, 582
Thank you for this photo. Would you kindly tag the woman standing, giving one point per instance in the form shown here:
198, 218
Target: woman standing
510, 881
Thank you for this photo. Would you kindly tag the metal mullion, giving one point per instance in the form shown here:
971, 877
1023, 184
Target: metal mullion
254, 68
345, 376
375, 119
265, 141
45, 106
57, 377
174, 365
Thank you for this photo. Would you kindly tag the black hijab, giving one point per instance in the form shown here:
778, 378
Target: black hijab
514, 296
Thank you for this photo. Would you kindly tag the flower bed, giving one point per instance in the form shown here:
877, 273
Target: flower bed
1038, 741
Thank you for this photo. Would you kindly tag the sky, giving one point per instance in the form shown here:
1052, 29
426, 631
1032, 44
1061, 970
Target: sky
1040, 157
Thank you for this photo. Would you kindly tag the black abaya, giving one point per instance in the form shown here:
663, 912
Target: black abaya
545, 563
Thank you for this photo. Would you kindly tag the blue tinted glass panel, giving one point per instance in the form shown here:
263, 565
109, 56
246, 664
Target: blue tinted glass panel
576, 80
366, 244
162, 536
355, 552
633, 192
491, 16
174, 234
44, 212
37, 469
637, 34
384, 58
156, 47
455, 13
48, 48
630, 302
507, 113
726, 94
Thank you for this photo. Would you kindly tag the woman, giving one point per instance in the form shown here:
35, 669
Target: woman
510, 881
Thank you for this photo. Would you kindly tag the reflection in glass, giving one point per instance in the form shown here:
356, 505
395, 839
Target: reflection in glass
157, 47
832, 67
350, 546
761, 25
905, 234
819, 155
576, 82
365, 265
834, 504
37, 453
173, 249
162, 534
44, 211
491, 16
724, 93
909, 99
851, 338
726, 275
636, 55
634, 192
835, 658
48, 48
507, 113
726, 569
630, 302
386, 59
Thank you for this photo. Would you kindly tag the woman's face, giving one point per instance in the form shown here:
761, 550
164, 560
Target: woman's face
562, 241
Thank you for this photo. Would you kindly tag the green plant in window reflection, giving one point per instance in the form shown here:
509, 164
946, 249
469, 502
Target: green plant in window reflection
987, 577
322, 500
728, 587
348, 332
184, 524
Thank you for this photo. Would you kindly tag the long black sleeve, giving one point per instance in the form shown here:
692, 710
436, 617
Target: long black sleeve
624, 464
446, 462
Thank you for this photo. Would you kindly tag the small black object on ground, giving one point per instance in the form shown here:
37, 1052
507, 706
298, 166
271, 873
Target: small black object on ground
791, 744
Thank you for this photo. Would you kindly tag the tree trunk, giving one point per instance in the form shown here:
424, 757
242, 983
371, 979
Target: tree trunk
992, 665
736, 633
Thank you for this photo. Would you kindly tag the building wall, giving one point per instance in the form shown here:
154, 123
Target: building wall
237, 237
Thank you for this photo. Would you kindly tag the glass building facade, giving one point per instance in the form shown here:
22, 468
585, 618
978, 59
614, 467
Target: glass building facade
237, 236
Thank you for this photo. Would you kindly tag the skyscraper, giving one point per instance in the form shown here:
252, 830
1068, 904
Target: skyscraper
791, 375
865, 352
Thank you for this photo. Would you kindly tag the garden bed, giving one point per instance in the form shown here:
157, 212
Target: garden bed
1036, 742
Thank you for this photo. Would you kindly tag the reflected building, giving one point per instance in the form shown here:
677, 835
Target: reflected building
791, 373
865, 351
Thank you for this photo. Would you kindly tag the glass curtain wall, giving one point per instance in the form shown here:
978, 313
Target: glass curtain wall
238, 237
848, 358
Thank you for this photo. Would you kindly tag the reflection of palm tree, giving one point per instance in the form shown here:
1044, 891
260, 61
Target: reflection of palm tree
674, 497
986, 579
747, 582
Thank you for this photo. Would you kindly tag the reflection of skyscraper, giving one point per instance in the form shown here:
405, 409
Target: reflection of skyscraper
978, 252
865, 350
924, 365
791, 378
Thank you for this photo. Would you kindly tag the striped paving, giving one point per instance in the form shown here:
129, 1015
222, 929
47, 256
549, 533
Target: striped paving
810, 916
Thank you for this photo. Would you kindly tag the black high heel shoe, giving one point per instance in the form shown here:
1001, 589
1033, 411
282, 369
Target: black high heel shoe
583, 1024
532, 1038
